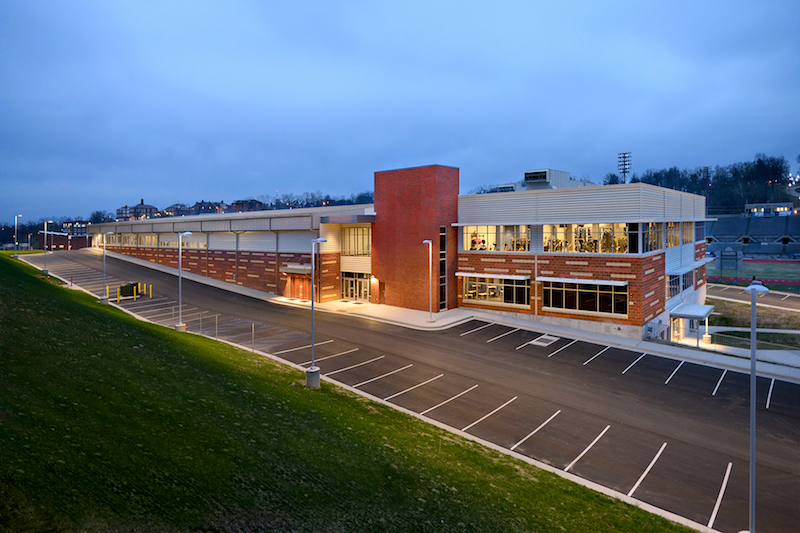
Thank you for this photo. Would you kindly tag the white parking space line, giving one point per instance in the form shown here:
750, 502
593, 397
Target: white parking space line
595, 356
725, 288
589, 447
172, 313
154, 302
721, 493
647, 470
631, 365
383, 376
395, 395
719, 382
345, 369
503, 335
769, 395
532, 433
563, 348
448, 400
330, 356
477, 329
674, 372
782, 299
484, 417
302, 347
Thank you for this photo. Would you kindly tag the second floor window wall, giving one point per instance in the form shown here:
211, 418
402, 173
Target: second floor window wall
497, 238
590, 238
356, 241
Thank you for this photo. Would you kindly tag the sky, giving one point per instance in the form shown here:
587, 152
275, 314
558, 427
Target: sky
104, 104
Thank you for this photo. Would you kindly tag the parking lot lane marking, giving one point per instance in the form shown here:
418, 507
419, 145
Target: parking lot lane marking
354, 366
647, 470
589, 447
329, 356
383, 376
302, 347
674, 372
563, 347
428, 410
411, 388
523, 345
503, 335
484, 417
631, 365
532, 433
769, 395
782, 299
595, 356
719, 382
726, 287
477, 329
721, 493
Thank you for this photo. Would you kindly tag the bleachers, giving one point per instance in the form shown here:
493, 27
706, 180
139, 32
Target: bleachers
727, 229
763, 249
769, 229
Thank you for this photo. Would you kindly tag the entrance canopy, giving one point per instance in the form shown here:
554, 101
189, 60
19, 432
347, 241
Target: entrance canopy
692, 311
296, 268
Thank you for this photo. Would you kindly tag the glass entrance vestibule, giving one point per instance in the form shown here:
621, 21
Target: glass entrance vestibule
356, 286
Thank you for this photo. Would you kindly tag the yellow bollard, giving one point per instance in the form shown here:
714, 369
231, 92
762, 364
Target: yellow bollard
151, 291
106, 292
117, 294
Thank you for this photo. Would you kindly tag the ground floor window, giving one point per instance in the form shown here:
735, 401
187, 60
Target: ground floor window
496, 290
673, 286
356, 286
607, 299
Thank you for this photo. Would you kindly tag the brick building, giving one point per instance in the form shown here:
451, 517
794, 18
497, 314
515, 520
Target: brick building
618, 259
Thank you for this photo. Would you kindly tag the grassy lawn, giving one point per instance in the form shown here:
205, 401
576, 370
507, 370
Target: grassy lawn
733, 314
777, 271
108, 424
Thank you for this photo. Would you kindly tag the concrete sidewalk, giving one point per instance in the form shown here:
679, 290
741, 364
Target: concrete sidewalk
780, 365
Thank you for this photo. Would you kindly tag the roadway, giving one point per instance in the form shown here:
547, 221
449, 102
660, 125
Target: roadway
783, 301
669, 433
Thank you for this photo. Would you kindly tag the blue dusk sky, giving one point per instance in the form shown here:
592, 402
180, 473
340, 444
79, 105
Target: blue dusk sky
104, 103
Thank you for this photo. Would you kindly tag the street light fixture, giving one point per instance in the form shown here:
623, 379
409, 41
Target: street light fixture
16, 243
430, 278
180, 326
45, 271
312, 373
104, 296
755, 288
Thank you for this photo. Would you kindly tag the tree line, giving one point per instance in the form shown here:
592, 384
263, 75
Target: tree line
727, 188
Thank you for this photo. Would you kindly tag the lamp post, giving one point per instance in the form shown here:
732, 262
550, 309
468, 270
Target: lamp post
180, 326
312, 373
430, 278
45, 271
16, 243
754, 289
104, 296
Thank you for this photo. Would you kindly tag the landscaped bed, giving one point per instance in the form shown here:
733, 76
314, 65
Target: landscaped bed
109, 424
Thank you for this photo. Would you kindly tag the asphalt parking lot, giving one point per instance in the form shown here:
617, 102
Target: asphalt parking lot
667, 432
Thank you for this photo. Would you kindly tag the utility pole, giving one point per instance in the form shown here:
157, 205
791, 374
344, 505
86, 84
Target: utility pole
624, 165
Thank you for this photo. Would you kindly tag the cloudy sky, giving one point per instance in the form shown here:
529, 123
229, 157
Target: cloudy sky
109, 102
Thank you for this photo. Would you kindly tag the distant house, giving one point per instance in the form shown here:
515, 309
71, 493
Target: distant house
137, 212
177, 210
241, 206
75, 227
205, 208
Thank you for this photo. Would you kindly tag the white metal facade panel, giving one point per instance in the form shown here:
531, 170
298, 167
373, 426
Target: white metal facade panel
332, 232
216, 225
253, 224
608, 203
187, 226
257, 241
296, 241
537, 239
291, 223
362, 264
687, 254
672, 258
122, 228
142, 228
222, 241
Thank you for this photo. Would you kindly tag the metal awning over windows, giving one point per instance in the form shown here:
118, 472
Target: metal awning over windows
612, 282
490, 275
296, 268
688, 268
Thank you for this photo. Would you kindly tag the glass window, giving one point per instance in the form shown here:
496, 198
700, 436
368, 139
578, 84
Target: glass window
356, 241
587, 238
495, 290
688, 280
688, 232
497, 238
673, 286
585, 297
652, 236
673, 234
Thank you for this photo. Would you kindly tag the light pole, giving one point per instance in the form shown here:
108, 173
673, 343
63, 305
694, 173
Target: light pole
430, 278
312, 373
180, 326
16, 243
104, 296
45, 271
754, 289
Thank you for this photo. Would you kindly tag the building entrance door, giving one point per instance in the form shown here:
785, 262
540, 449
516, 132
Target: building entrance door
355, 287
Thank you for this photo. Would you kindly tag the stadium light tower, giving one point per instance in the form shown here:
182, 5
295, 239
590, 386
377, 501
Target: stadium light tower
624, 165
